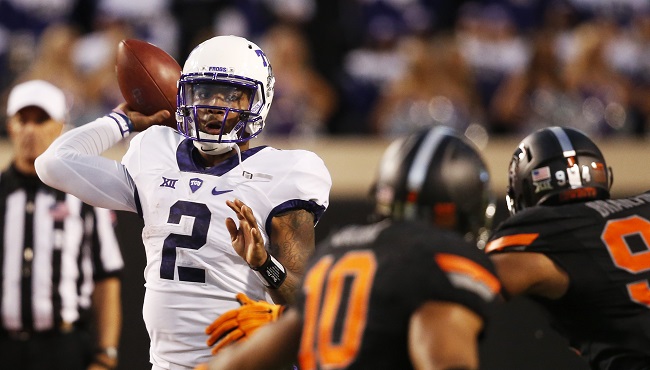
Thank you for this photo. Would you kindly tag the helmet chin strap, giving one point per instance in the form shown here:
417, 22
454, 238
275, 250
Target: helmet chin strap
212, 148
220, 148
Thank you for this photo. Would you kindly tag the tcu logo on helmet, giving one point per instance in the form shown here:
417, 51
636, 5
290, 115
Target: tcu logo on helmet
270, 81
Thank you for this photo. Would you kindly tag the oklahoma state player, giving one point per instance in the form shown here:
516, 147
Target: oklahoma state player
409, 291
582, 255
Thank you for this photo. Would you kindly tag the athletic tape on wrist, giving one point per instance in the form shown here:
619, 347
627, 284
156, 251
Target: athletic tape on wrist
123, 122
271, 273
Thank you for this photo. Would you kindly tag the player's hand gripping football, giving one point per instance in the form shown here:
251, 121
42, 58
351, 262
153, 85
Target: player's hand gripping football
247, 239
238, 324
140, 121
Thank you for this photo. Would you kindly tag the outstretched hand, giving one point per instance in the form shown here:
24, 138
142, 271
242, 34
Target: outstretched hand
246, 240
140, 121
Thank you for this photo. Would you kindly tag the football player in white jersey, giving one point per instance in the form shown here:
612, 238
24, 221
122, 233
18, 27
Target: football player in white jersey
179, 182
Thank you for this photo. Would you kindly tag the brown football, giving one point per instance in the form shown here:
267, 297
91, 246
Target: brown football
147, 77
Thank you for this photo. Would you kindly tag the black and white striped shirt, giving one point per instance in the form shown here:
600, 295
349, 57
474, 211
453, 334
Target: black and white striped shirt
52, 249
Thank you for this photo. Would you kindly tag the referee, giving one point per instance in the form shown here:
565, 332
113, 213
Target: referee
59, 258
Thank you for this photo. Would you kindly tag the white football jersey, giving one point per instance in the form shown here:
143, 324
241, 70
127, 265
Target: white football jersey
193, 273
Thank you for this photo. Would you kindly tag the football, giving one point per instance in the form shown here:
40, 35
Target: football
147, 77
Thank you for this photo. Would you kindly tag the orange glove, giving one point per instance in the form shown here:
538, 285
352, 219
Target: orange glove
240, 323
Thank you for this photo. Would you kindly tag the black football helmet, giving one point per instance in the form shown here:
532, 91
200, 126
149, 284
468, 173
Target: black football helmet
437, 175
556, 165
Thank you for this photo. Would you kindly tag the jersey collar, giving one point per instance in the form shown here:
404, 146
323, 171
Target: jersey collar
187, 163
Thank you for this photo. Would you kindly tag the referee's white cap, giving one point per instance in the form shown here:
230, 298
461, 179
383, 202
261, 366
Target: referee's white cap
41, 94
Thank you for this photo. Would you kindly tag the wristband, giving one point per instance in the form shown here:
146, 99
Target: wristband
271, 273
110, 353
123, 122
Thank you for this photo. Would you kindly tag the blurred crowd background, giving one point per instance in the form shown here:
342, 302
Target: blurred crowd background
368, 67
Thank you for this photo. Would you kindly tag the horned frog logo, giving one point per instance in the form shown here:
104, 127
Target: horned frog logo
270, 81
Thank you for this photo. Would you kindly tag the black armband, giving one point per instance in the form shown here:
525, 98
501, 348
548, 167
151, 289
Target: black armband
271, 273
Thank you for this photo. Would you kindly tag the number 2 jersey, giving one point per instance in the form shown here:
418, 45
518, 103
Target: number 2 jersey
603, 247
193, 273
364, 283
